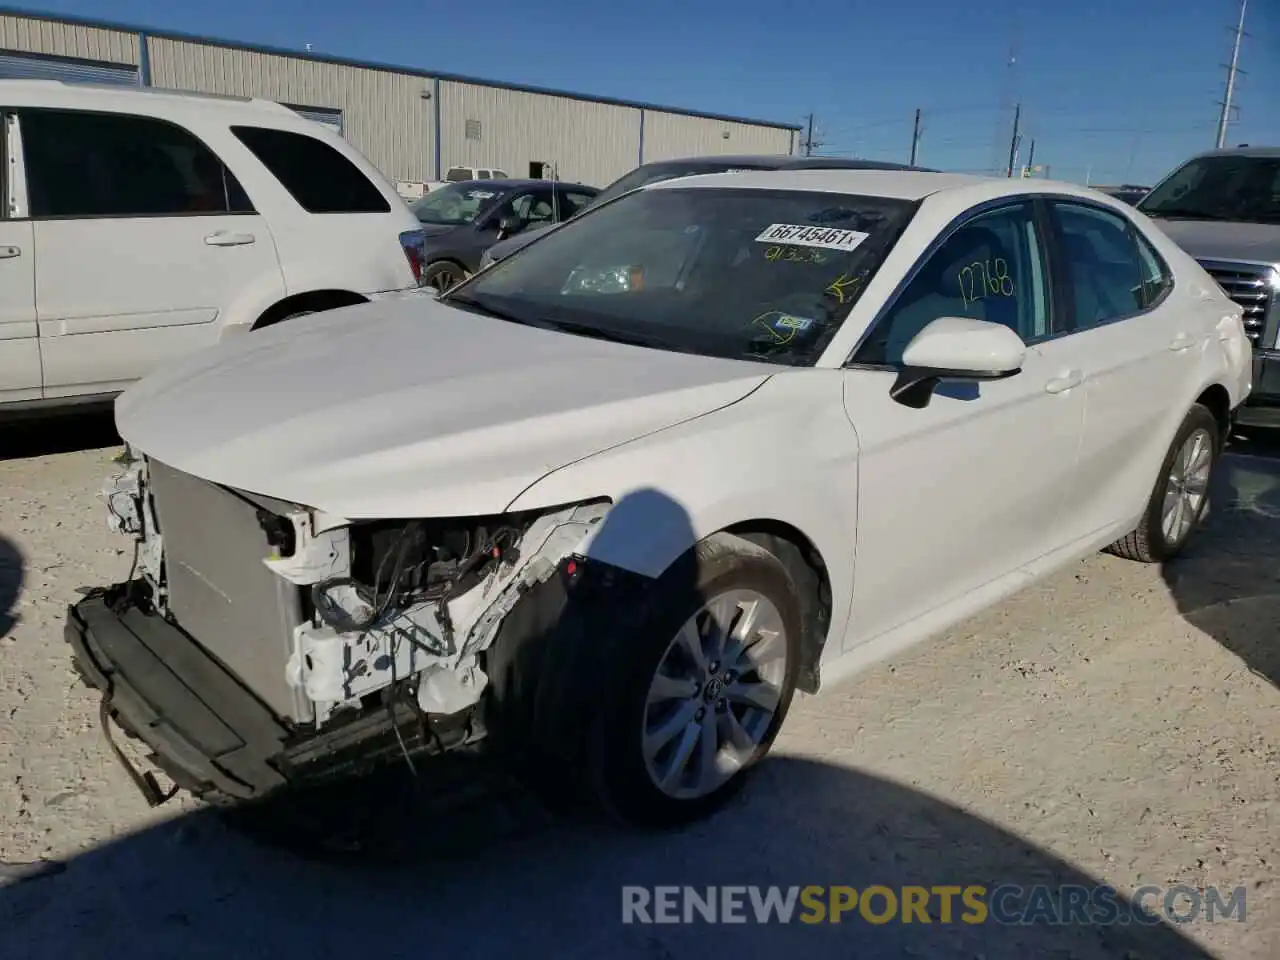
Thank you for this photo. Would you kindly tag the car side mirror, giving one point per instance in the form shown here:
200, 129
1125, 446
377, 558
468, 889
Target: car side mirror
956, 348
509, 225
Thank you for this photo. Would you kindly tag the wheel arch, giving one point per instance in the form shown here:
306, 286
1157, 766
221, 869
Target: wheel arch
1217, 400
311, 301
647, 531
808, 569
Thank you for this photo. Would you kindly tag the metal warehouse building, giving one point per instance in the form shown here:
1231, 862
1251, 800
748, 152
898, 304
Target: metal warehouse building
413, 124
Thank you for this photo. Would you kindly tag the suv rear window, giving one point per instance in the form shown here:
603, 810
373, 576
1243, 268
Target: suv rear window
320, 178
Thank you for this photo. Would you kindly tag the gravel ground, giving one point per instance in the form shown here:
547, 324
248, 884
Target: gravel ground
1115, 724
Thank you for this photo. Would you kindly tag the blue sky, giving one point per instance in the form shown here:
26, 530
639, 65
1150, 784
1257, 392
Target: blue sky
1116, 91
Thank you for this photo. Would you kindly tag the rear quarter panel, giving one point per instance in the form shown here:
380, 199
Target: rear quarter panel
358, 252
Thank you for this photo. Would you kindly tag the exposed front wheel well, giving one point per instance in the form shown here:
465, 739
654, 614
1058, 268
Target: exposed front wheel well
313, 301
807, 568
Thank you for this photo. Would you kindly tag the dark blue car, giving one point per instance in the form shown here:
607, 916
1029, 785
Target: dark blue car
462, 220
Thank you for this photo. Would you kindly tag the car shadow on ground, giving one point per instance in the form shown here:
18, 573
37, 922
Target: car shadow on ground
484, 882
1228, 582
12, 574
58, 433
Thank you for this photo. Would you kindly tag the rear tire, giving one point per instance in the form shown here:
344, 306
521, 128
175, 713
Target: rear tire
1179, 501
443, 275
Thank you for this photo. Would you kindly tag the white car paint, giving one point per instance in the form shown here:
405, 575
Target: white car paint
90, 304
458, 390
922, 516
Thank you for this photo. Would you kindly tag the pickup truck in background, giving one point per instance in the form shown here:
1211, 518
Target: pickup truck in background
1223, 208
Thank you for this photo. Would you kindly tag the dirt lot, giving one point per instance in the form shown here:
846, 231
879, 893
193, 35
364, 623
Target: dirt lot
1117, 725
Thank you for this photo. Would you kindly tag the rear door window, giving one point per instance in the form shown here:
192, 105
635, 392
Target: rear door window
318, 177
1106, 273
82, 164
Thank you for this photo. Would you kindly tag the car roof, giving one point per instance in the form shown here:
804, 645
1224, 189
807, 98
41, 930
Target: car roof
1245, 151
59, 93
898, 184
778, 161
912, 185
510, 183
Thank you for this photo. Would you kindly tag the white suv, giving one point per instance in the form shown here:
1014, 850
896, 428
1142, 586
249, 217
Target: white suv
142, 225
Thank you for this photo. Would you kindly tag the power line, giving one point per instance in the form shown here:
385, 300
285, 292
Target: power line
1232, 70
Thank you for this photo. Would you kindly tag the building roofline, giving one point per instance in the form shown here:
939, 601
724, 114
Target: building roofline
381, 67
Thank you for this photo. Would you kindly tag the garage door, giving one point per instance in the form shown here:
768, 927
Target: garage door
26, 66
326, 115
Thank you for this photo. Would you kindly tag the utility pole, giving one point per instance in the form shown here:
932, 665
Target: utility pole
1031, 158
809, 143
915, 139
1232, 70
1014, 140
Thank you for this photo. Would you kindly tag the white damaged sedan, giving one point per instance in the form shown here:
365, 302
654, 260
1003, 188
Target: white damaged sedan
607, 505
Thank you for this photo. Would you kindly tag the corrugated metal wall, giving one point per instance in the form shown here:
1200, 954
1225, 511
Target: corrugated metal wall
392, 117
384, 115
591, 143
68, 40
671, 135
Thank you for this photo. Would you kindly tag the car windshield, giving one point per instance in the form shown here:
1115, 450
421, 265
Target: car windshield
1236, 188
727, 272
456, 204
656, 172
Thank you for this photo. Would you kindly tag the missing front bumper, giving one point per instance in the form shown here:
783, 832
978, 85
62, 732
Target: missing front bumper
209, 733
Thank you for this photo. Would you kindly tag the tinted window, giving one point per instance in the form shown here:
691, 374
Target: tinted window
320, 178
1102, 264
115, 165
1232, 187
572, 202
459, 175
534, 207
991, 268
748, 274
1156, 278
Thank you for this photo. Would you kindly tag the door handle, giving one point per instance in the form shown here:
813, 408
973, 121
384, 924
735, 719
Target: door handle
222, 239
1182, 341
1072, 378
7, 253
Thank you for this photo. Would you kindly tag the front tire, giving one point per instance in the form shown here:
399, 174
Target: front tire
1180, 499
700, 689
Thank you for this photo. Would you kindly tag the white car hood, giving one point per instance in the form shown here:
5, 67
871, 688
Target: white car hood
403, 409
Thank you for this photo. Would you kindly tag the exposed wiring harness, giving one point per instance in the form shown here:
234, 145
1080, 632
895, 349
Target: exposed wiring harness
476, 552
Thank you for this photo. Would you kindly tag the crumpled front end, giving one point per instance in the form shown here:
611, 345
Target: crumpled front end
258, 642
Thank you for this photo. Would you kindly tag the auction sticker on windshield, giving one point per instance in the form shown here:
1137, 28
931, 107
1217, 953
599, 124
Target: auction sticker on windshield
828, 238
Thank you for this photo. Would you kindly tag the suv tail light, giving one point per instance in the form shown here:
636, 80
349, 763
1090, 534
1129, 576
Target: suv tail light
414, 245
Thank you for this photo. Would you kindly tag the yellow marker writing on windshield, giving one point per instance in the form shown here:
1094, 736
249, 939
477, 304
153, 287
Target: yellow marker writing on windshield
842, 285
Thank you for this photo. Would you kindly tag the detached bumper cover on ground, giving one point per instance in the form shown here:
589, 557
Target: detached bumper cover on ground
203, 727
